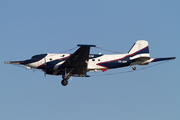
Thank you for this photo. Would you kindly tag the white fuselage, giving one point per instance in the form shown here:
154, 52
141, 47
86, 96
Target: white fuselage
92, 63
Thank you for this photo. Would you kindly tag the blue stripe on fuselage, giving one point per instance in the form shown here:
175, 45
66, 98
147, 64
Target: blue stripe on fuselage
51, 64
142, 51
123, 62
91, 56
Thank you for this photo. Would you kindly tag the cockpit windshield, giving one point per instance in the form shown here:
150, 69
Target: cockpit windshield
38, 57
34, 58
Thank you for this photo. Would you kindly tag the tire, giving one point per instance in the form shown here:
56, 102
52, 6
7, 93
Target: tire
64, 82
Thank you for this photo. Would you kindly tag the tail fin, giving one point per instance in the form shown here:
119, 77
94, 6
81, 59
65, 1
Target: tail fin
139, 50
139, 54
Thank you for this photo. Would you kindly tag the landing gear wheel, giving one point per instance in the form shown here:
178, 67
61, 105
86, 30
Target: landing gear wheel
64, 82
134, 68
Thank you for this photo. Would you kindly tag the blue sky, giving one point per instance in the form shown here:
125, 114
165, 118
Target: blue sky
33, 27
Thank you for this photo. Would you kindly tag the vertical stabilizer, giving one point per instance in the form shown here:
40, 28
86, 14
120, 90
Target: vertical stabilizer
139, 50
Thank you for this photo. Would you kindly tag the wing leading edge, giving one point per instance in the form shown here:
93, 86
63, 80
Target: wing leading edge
77, 62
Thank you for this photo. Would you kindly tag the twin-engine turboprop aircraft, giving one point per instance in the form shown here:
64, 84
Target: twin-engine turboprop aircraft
81, 62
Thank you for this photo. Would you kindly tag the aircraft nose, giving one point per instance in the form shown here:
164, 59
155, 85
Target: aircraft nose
13, 62
24, 62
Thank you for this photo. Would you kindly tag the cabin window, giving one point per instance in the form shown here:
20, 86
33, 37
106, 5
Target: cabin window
98, 59
50, 59
93, 59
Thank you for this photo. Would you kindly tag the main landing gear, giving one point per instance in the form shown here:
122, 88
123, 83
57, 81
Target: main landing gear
64, 82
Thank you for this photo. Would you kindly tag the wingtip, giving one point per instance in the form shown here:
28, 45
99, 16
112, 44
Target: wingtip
86, 45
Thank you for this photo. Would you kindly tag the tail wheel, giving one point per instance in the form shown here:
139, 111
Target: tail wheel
64, 82
134, 68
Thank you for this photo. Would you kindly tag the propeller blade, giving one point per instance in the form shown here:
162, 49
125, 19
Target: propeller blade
45, 67
45, 74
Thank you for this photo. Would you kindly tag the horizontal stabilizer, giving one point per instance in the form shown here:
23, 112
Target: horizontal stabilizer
161, 59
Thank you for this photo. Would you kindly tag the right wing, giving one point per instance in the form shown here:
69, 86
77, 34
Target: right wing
77, 62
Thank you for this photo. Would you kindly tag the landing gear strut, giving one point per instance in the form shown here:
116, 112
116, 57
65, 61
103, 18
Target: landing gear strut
65, 77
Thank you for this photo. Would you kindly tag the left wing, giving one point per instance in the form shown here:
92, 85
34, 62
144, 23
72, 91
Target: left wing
77, 62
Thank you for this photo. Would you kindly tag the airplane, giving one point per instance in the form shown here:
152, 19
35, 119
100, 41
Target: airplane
81, 61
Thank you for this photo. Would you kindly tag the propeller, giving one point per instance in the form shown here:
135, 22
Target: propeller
45, 67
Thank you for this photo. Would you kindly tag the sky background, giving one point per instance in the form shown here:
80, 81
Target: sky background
33, 27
